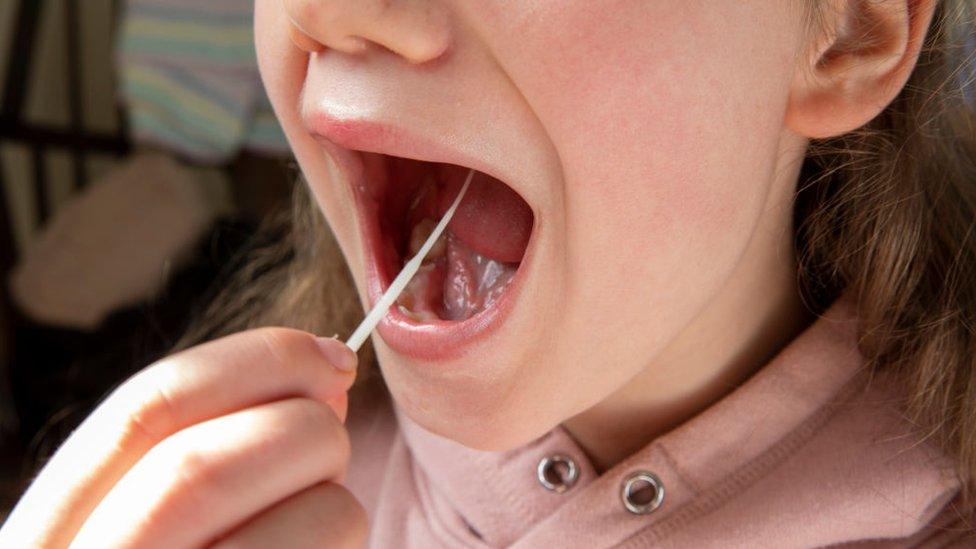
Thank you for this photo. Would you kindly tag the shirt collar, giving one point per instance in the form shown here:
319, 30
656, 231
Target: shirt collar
499, 496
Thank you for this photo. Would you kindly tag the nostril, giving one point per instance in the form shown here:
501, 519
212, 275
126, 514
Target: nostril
419, 35
352, 44
415, 31
303, 41
425, 49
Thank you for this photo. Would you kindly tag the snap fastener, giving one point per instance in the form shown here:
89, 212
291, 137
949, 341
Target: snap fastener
642, 492
557, 473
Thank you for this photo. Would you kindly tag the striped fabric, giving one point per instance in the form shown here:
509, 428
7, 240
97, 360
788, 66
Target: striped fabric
190, 81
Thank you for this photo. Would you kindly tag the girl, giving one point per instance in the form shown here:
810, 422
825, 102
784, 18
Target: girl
713, 285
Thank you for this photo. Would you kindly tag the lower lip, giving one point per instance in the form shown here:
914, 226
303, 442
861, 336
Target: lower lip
431, 340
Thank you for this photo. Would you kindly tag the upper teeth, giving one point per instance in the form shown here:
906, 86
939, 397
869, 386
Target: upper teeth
419, 235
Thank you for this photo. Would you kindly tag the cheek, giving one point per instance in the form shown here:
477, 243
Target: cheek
659, 109
666, 117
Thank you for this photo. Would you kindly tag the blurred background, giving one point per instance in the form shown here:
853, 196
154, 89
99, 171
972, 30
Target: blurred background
138, 158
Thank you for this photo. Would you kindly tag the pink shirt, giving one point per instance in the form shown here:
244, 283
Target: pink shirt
807, 452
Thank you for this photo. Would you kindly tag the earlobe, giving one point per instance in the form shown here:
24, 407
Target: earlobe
867, 52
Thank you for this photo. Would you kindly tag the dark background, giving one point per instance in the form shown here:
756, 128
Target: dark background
61, 131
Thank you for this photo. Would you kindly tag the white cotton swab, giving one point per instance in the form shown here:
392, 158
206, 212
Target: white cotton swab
378, 311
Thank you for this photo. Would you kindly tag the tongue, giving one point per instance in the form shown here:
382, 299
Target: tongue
472, 282
492, 220
457, 285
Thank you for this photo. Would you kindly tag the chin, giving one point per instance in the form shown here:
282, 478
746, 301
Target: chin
481, 416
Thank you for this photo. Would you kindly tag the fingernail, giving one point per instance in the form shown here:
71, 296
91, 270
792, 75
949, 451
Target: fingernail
337, 353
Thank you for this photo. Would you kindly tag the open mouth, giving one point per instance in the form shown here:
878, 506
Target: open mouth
473, 264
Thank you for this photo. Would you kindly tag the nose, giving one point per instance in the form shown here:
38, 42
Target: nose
417, 30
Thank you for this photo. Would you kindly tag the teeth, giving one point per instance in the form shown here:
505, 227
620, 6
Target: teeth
422, 316
406, 301
419, 235
454, 282
413, 301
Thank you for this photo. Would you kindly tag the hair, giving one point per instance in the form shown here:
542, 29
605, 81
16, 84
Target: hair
888, 214
885, 213
293, 274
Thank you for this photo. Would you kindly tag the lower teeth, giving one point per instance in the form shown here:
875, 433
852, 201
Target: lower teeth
415, 299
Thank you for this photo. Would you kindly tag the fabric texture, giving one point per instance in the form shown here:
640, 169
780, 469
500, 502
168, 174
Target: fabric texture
811, 451
190, 80
81, 267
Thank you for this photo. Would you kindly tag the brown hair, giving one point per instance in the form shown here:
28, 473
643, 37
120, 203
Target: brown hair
886, 212
298, 278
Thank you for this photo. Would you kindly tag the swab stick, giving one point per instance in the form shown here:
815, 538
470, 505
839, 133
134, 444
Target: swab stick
378, 311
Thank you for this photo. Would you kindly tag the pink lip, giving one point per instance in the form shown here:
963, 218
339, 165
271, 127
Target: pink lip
357, 134
435, 340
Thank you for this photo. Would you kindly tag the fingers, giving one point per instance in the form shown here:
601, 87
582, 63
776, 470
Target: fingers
325, 515
207, 478
201, 383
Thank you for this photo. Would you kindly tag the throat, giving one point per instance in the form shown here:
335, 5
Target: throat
712, 357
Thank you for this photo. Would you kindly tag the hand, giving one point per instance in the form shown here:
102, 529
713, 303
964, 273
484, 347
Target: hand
238, 442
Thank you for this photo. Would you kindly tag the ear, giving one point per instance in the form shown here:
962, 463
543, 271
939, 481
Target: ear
865, 53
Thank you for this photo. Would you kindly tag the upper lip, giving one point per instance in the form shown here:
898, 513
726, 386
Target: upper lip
365, 135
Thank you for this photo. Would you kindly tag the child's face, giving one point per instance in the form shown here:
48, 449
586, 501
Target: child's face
646, 137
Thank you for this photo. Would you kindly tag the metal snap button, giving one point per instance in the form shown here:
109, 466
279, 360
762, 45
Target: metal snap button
642, 492
557, 473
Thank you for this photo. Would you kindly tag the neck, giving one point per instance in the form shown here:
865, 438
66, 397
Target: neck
757, 313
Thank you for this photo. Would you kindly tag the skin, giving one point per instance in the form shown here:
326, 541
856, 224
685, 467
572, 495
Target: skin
614, 156
236, 442
610, 124
607, 118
